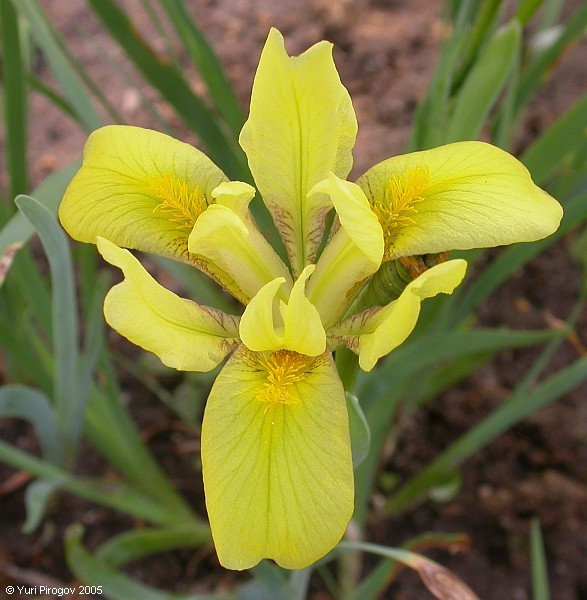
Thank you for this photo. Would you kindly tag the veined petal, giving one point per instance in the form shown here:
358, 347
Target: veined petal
139, 189
276, 459
226, 237
184, 335
455, 197
270, 324
354, 253
376, 332
301, 126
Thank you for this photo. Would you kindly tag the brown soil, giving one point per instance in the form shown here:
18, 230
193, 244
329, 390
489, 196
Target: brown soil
385, 52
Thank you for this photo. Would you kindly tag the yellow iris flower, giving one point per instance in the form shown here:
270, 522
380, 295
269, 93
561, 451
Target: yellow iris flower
276, 452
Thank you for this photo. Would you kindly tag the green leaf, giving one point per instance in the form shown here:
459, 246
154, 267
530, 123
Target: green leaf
205, 59
441, 582
536, 74
521, 403
32, 405
513, 258
110, 430
359, 430
174, 88
15, 99
69, 80
115, 584
526, 10
114, 495
269, 584
540, 587
387, 570
65, 327
49, 193
484, 83
382, 391
132, 545
557, 145
38, 495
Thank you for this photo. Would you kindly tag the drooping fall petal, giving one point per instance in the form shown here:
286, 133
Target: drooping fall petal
184, 335
301, 126
377, 331
456, 197
276, 459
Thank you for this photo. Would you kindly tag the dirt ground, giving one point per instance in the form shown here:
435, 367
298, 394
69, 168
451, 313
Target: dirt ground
385, 52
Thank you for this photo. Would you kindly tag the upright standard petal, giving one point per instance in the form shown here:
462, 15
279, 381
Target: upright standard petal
376, 332
183, 334
139, 189
271, 324
354, 252
227, 239
301, 126
456, 197
276, 459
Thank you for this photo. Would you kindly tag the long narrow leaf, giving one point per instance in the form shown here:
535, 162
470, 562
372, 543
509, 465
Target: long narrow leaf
513, 258
65, 325
484, 83
15, 99
113, 495
558, 143
33, 406
69, 80
540, 587
111, 431
381, 394
519, 406
49, 193
115, 584
174, 88
204, 57
132, 545
536, 74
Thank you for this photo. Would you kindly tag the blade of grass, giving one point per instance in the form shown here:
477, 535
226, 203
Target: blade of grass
157, 23
15, 99
37, 497
69, 80
269, 583
550, 14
